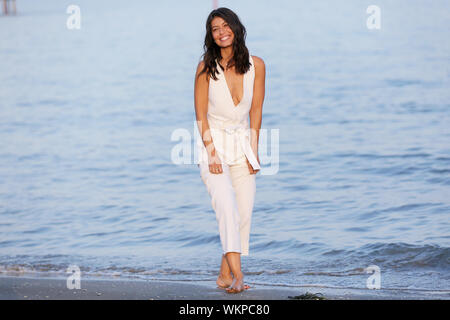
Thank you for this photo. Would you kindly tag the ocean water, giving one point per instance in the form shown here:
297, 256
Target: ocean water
363, 178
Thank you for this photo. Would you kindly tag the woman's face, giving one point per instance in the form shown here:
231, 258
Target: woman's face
221, 32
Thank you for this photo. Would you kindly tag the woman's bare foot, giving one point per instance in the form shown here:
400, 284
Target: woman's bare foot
237, 285
224, 282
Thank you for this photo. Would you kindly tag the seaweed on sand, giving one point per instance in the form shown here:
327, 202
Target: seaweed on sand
308, 296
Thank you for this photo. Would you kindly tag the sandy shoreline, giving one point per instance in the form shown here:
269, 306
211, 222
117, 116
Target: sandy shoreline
42, 288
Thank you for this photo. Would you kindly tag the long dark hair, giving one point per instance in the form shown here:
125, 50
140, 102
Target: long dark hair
240, 57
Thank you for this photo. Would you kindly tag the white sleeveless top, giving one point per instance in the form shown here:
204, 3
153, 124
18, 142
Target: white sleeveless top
228, 123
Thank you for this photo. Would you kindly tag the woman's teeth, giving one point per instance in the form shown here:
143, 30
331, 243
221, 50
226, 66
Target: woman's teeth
224, 38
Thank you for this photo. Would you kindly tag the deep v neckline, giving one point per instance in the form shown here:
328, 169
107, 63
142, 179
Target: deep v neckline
228, 88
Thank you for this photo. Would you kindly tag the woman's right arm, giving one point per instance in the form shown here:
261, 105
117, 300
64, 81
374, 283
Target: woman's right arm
201, 88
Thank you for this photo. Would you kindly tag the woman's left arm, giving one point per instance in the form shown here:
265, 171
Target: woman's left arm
257, 103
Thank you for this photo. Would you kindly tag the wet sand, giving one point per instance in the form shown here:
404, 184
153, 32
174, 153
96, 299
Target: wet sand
24, 288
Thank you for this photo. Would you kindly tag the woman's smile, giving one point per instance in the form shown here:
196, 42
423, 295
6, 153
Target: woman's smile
226, 40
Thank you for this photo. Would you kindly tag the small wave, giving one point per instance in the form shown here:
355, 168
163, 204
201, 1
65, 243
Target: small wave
395, 255
268, 272
289, 245
327, 286
345, 273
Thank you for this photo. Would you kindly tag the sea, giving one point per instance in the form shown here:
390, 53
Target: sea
96, 98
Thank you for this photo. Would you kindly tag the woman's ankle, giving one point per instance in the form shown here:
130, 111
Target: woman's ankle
225, 275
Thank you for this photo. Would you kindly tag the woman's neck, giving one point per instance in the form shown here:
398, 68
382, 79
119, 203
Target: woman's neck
227, 54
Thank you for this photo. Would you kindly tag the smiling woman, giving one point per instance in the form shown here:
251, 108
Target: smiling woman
229, 87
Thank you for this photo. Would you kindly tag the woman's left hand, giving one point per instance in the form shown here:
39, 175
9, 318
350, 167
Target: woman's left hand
250, 168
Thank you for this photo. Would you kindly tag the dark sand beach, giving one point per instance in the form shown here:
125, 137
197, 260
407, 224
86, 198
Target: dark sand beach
24, 288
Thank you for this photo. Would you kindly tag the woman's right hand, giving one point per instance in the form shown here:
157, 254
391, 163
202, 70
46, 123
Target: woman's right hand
215, 164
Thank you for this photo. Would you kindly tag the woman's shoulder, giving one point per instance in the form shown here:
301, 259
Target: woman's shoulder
200, 66
201, 71
259, 63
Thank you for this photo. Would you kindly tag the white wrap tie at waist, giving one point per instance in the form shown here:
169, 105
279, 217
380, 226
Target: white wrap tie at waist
240, 133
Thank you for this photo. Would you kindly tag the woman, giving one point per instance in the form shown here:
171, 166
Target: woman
229, 88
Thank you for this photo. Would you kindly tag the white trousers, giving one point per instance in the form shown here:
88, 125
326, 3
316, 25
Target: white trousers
232, 195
